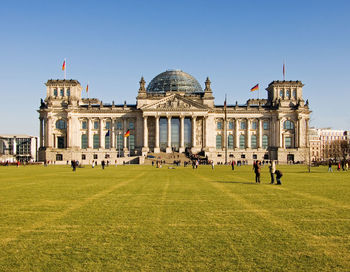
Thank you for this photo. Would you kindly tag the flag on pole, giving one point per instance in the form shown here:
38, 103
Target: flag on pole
64, 65
284, 71
107, 134
255, 88
87, 88
127, 134
225, 104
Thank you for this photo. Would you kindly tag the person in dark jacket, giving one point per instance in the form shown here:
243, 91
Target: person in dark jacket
257, 170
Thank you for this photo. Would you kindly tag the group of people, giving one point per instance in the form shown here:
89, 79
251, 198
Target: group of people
272, 170
344, 165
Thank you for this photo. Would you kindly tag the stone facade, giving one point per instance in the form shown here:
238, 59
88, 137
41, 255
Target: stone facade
167, 118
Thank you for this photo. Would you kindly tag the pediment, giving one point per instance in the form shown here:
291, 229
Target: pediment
175, 103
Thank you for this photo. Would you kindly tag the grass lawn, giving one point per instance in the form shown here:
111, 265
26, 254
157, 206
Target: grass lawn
139, 218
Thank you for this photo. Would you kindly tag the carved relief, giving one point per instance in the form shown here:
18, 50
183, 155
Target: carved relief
174, 103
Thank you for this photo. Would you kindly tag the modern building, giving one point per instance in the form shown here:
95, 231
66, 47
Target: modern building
18, 148
330, 142
174, 114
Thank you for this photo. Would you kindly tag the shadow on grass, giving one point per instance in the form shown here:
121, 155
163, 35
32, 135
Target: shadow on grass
235, 182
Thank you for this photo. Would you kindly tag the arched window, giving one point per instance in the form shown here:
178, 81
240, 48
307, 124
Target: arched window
242, 141
295, 94
253, 141
218, 142
288, 124
265, 141
281, 94
288, 94
61, 92
84, 141
55, 92
230, 141
61, 124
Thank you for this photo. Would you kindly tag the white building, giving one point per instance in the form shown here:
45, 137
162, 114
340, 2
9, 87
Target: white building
18, 148
173, 114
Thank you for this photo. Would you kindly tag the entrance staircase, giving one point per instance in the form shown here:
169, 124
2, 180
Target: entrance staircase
169, 158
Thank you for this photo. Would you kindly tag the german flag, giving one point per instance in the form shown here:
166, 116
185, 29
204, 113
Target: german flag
255, 88
127, 134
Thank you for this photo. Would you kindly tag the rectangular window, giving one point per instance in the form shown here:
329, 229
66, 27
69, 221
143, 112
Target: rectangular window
253, 141
119, 125
254, 125
131, 125
84, 141
265, 141
108, 125
241, 141
230, 125
96, 141
62, 92
96, 124
243, 126
107, 142
230, 141
120, 142
219, 125
288, 142
68, 92
84, 125
266, 125
60, 142
95, 156
59, 157
132, 142
83, 157
218, 142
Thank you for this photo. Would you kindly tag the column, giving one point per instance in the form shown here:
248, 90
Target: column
157, 131
48, 127
145, 132
69, 132
248, 133
41, 132
280, 136
204, 132
102, 134
90, 135
168, 149
194, 129
298, 130
113, 133
182, 134
260, 133
236, 133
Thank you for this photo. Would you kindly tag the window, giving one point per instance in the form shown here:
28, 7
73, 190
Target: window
96, 141
295, 94
218, 142
242, 141
253, 141
68, 92
230, 125
60, 142
255, 157
83, 157
96, 125
108, 125
59, 157
119, 125
230, 141
55, 92
61, 124
281, 94
265, 141
107, 141
243, 126
266, 125
107, 156
131, 125
219, 125
131, 142
288, 124
243, 156
95, 156
254, 125
84, 125
84, 141
288, 94
61, 92
288, 142
120, 141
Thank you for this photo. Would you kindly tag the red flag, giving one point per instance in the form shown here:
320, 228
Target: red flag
87, 88
64, 65
127, 134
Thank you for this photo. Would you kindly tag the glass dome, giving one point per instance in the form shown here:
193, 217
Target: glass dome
173, 81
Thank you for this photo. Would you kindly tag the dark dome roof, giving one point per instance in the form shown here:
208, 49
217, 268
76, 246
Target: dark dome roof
174, 80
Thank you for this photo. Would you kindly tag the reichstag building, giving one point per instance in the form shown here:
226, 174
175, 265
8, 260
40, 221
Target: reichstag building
173, 114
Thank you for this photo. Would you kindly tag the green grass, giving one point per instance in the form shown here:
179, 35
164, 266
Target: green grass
139, 218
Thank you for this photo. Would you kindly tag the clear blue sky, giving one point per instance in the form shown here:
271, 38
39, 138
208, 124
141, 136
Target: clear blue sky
112, 44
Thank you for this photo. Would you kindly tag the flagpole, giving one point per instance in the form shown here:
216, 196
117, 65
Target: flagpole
225, 129
65, 68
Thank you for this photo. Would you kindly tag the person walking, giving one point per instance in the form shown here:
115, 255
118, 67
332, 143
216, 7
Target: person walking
330, 166
257, 170
74, 165
346, 166
103, 164
212, 165
93, 164
338, 168
272, 169
233, 165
